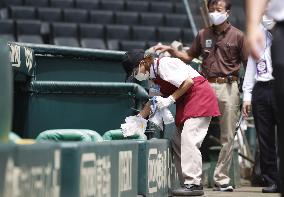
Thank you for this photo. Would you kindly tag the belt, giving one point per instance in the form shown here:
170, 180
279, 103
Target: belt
222, 79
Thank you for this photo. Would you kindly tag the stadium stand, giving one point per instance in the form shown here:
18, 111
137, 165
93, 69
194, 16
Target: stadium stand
127, 17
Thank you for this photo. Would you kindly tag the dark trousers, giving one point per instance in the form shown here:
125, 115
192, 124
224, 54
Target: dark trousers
264, 113
278, 73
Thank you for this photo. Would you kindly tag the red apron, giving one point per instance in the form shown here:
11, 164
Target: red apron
198, 101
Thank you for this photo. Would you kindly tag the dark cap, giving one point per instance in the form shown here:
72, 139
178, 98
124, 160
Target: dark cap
131, 60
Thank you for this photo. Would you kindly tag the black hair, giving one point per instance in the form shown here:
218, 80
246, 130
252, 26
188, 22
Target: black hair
131, 60
228, 3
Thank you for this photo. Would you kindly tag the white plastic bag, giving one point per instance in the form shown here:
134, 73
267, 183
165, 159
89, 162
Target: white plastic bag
133, 125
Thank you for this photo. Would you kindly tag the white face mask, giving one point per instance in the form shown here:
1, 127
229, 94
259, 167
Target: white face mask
142, 76
268, 22
218, 18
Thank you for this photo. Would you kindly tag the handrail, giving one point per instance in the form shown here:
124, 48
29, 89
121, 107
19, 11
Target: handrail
91, 88
76, 52
190, 17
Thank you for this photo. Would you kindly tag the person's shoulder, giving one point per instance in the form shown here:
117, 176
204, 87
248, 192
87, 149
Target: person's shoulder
237, 31
165, 59
204, 30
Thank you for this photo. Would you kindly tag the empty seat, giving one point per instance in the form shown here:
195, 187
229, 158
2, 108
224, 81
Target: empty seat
152, 19
161, 7
91, 31
101, 17
7, 3
120, 32
49, 14
61, 3
37, 3
127, 18
144, 33
176, 20
179, 8
22, 12
29, 31
75, 15
112, 5
93, 43
127, 45
87, 4
169, 34
65, 34
137, 6
7, 30
187, 36
113, 45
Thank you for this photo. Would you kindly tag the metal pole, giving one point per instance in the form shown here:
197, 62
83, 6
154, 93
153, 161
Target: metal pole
190, 17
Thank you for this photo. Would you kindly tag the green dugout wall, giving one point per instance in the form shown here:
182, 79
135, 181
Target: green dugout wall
73, 88
6, 92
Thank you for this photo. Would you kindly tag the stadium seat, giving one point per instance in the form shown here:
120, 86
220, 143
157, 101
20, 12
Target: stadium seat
7, 30
169, 34
113, 44
137, 6
50, 14
22, 12
29, 31
101, 17
176, 20
130, 44
65, 34
94, 43
37, 3
87, 4
91, 31
127, 18
187, 36
120, 32
179, 8
161, 7
7, 3
144, 33
152, 19
75, 15
62, 3
112, 5
92, 36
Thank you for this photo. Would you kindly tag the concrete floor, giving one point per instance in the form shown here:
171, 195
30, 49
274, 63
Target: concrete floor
240, 192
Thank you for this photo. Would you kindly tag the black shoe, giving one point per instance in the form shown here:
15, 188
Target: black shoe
271, 189
223, 188
189, 190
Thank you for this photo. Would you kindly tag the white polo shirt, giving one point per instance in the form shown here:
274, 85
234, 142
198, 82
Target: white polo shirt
173, 70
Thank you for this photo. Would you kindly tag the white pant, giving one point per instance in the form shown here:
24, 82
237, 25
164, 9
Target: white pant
186, 143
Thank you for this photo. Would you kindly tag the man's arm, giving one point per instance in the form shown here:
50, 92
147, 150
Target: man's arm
248, 84
182, 88
184, 56
254, 11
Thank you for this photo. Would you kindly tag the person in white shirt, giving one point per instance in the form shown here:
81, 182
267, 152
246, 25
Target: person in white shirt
258, 89
275, 9
195, 101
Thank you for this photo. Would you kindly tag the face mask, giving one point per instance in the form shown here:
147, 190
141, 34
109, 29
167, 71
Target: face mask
218, 18
267, 22
142, 76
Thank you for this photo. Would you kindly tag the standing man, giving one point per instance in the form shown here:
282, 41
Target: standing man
275, 9
258, 88
222, 48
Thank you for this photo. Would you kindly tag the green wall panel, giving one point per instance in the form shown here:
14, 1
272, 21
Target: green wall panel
105, 169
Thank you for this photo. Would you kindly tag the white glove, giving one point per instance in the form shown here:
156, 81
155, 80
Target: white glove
164, 102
